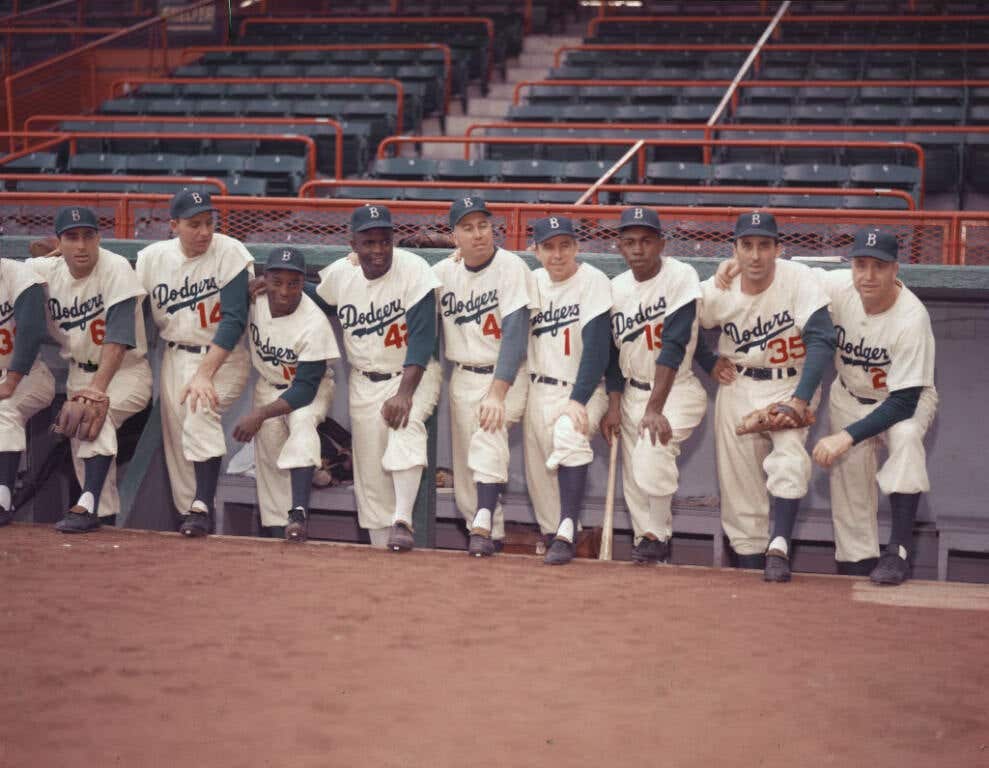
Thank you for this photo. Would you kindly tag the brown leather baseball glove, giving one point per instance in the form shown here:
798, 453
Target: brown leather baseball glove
773, 418
83, 415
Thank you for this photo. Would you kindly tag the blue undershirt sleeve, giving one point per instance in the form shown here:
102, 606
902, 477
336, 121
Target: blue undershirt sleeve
596, 338
514, 344
30, 318
704, 356
421, 321
613, 379
303, 389
900, 405
233, 312
310, 291
819, 340
676, 335
120, 322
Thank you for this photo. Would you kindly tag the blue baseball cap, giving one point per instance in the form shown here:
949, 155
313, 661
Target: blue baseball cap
370, 217
757, 223
876, 244
189, 203
466, 205
551, 226
640, 217
74, 216
286, 258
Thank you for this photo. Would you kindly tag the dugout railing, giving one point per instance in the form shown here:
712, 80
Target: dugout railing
219, 186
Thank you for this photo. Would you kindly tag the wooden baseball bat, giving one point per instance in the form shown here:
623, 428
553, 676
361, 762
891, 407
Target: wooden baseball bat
608, 525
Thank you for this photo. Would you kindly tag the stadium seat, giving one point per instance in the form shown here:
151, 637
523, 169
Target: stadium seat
641, 113
887, 114
678, 153
564, 196
703, 94
33, 185
158, 91
590, 171
278, 70
942, 156
258, 57
864, 202
552, 94
935, 114
938, 94
762, 113
814, 175
249, 91
417, 168
735, 154
168, 107
240, 71
882, 175
267, 108
531, 170
884, 94
466, 170
124, 106
432, 194
647, 94
746, 174
511, 195
96, 163
678, 173
155, 164
36, 162
824, 94
876, 155
586, 113
668, 199
599, 94
818, 113
108, 186
513, 151
284, 174
214, 165
690, 113
368, 193
805, 201
535, 113
206, 90
761, 94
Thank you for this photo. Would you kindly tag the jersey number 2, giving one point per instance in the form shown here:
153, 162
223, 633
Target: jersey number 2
878, 378
214, 315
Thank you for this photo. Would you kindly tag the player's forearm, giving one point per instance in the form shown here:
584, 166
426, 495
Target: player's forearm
596, 341
308, 376
233, 313
111, 356
499, 388
900, 405
421, 323
212, 360
411, 376
661, 385
514, 345
277, 407
676, 336
819, 340
30, 319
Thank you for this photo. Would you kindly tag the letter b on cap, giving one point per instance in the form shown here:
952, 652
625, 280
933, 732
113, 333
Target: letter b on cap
554, 223
373, 212
286, 255
76, 216
197, 198
870, 239
638, 214
755, 219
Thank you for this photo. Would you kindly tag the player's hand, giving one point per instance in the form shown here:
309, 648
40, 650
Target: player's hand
7, 387
724, 371
831, 448
578, 415
727, 271
785, 420
491, 412
456, 256
611, 424
199, 392
396, 411
248, 426
655, 424
256, 287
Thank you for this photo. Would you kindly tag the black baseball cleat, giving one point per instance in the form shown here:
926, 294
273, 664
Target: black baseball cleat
481, 544
560, 552
892, 570
400, 539
650, 551
6, 516
195, 524
296, 528
777, 567
756, 562
78, 520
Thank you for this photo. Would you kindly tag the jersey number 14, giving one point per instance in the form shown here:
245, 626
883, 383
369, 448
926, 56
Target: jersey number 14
214, 314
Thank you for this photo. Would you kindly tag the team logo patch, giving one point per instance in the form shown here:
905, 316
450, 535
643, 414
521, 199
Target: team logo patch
471, 309
78, 314
761, 332
860, 353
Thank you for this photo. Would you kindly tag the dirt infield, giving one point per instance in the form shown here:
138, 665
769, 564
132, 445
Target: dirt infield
139, 649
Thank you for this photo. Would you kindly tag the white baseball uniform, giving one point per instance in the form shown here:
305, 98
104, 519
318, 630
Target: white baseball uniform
471, 305
35, 390
876, 354
185, 304
77, 312
649, 472
278, 345
372, 316
761, 331
555, 346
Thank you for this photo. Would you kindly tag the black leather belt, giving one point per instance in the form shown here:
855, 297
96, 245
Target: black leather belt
280, 386
477, 368
188, 347
640, 384
765, 374
375, 376
548, 380
863, 400
87, 366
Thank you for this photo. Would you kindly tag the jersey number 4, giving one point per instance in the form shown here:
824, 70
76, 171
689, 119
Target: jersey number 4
397, 335
786, 349
491, 327
7, 341
214, 315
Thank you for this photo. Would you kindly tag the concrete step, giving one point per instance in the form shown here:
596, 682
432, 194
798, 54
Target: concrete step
488, 108
541, 59
548, 43
526, 73
443, 151
457, 126
502, 91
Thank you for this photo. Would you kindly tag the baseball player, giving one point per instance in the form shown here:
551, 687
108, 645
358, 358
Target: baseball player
95, 316
197, 285
568, 353
291, 341
484, 299
654, 399
776, 338
386, 305
883, 394
26, 384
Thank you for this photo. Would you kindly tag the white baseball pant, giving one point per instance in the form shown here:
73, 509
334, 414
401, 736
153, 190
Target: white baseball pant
551, 440
34, 393
480, 456
649, 472
198, 436
380, 450
129, 392
854, 480
285, 443
750, 467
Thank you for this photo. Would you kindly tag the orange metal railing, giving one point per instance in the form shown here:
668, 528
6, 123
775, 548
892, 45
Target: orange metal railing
51, 122
194, 52
116, 179
639, 21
